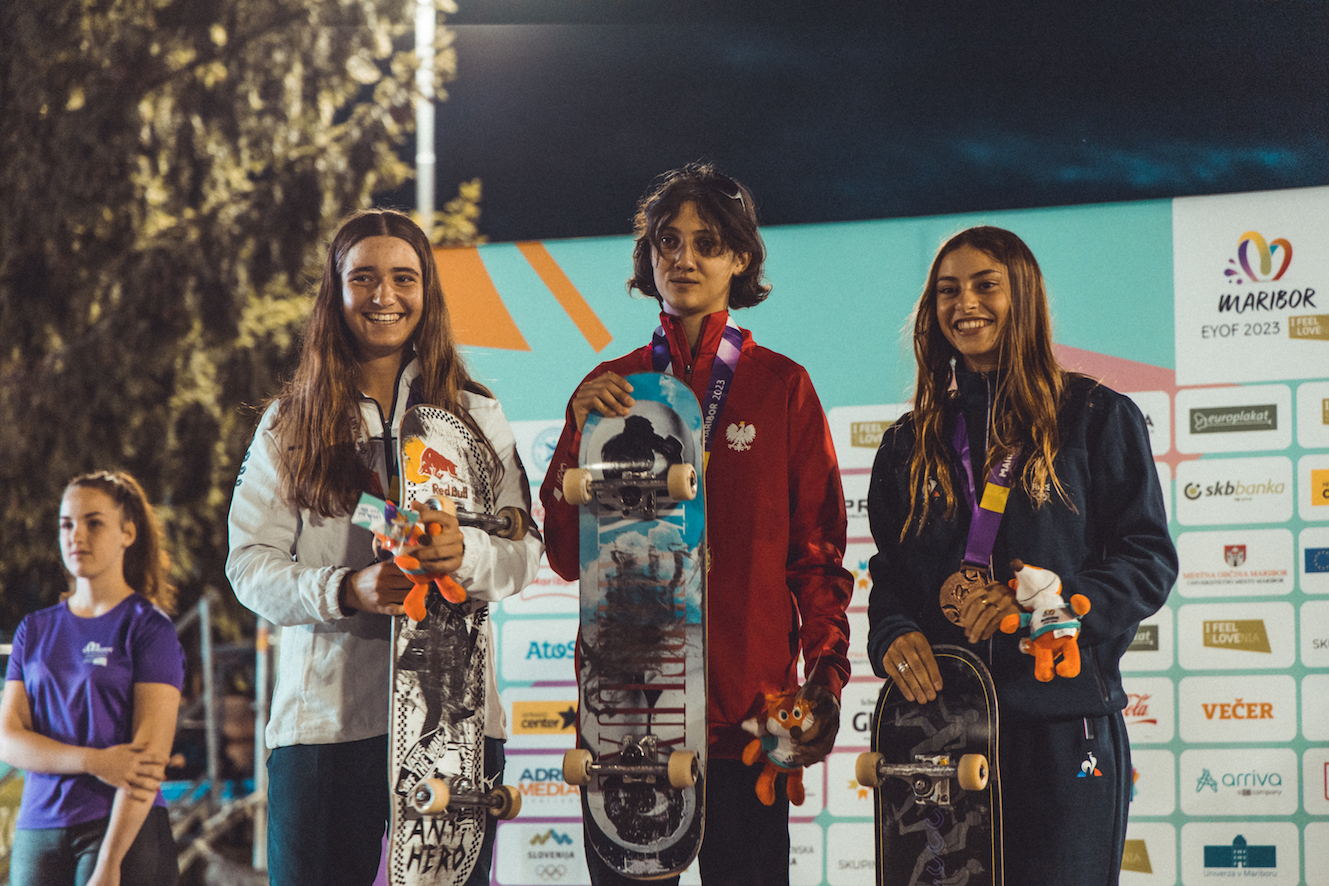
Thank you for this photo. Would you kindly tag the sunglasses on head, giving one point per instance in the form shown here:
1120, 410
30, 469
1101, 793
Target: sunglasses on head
727, 186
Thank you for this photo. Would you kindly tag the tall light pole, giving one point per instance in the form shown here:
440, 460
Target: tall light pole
425, 19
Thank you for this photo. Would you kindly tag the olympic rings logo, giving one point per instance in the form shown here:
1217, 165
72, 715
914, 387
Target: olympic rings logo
551, 871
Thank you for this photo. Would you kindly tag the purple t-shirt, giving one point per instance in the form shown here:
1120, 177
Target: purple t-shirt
79, 674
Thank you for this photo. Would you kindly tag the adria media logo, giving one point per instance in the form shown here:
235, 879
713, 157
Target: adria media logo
1255, 258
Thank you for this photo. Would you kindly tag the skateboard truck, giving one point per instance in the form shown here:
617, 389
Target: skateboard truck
633, 490
638, 760
510, 522
433, 796
930, 776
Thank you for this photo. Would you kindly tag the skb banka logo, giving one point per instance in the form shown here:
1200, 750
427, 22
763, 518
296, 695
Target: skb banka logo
1255, 259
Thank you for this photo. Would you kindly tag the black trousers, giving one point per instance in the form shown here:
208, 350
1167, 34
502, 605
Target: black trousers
328, 810
746, 843
68, 856
1066, 788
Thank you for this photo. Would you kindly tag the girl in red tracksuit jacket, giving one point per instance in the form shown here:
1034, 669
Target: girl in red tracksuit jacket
775, 509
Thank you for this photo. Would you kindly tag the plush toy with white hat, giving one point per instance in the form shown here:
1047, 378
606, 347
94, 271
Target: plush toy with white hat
1053, 626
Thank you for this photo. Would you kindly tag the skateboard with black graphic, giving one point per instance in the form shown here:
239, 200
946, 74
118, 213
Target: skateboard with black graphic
641, 754
938, 791
439, 795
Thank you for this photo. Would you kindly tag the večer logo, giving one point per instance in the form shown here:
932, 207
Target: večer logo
1194, 491
1227, 419
1238, 709
1135, 857
867, 434
1254, 252
1145, 639
1248, 635
1240, 855
1320, 487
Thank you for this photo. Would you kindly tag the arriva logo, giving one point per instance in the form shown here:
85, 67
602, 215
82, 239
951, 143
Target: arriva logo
1244, 781
1255, 258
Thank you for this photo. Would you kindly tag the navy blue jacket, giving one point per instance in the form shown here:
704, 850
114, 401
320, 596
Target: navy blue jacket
1111, 544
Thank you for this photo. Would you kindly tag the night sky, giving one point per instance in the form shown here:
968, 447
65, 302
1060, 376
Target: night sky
835, 111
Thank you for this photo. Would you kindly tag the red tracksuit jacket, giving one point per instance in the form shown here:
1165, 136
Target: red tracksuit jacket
775, 523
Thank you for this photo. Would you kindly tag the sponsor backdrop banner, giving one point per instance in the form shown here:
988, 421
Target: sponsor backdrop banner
1211, 312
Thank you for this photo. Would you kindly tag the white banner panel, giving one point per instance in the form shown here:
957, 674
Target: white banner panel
1267, 851
1239, 562
806, 854
1313, 559
1251, 284
1231, 636
1157, 409
534, 854
1315, 783
1239, 781
1213, 492
1150, 857
1214, 710
1234, 419
1150, 709
1315, 634
1155, 782
856, 431
850, 856
1313, 415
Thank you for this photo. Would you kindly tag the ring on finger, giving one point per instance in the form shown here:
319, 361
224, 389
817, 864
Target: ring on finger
902, 666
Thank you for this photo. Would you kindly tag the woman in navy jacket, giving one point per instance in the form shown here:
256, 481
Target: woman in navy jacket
1084, 502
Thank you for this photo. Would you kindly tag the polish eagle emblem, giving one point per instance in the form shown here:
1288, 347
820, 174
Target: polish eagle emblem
740, 436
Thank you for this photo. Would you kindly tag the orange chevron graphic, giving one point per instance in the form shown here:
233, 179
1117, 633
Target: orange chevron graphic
479, 316
597, 336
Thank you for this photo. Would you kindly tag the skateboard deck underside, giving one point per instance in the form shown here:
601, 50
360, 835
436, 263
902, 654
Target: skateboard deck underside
642, 647
920, 843
438, 674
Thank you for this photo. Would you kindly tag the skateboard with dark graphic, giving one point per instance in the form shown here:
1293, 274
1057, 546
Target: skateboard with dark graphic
439, 795
938, 791
641, 752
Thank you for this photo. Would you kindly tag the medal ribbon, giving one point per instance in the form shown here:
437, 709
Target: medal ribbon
986, 512
722, 373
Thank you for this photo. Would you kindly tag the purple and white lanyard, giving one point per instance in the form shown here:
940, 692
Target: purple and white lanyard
722, 373
986, 512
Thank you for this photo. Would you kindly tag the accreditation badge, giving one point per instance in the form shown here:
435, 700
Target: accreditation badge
960, 584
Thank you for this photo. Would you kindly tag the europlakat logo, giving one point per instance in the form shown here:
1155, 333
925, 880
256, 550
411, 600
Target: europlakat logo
1255, 259
1145, 639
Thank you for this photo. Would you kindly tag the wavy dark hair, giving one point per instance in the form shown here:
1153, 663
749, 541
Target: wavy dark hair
146, 564
724, 204
1030, 381
318, 413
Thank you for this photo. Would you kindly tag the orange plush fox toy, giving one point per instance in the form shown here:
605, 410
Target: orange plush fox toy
786, 718
1053, 628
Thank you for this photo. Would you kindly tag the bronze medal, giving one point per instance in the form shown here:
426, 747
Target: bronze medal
958, 586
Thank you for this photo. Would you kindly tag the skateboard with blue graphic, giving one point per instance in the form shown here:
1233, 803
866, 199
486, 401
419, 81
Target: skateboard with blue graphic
934, 767
439, 795
641, 713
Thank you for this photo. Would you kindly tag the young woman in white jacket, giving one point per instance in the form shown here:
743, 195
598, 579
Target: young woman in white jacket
379, 341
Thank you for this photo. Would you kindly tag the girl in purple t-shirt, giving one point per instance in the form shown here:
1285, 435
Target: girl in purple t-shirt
90, 701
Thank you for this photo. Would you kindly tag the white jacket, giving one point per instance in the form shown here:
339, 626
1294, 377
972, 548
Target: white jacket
286, 564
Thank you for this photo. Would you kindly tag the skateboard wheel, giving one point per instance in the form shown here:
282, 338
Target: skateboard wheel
682, 482
518, 522
509, 802
972, 772
577, 486
431, 796
865, 770
577, 766
683, 769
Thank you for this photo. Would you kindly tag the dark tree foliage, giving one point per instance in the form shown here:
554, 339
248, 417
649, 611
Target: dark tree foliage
172, 171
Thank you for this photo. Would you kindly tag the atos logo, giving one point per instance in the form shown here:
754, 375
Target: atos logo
1255, 259
546, 650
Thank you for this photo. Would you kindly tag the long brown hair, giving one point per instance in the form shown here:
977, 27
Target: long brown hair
318, 412
146, 565
1030, 381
